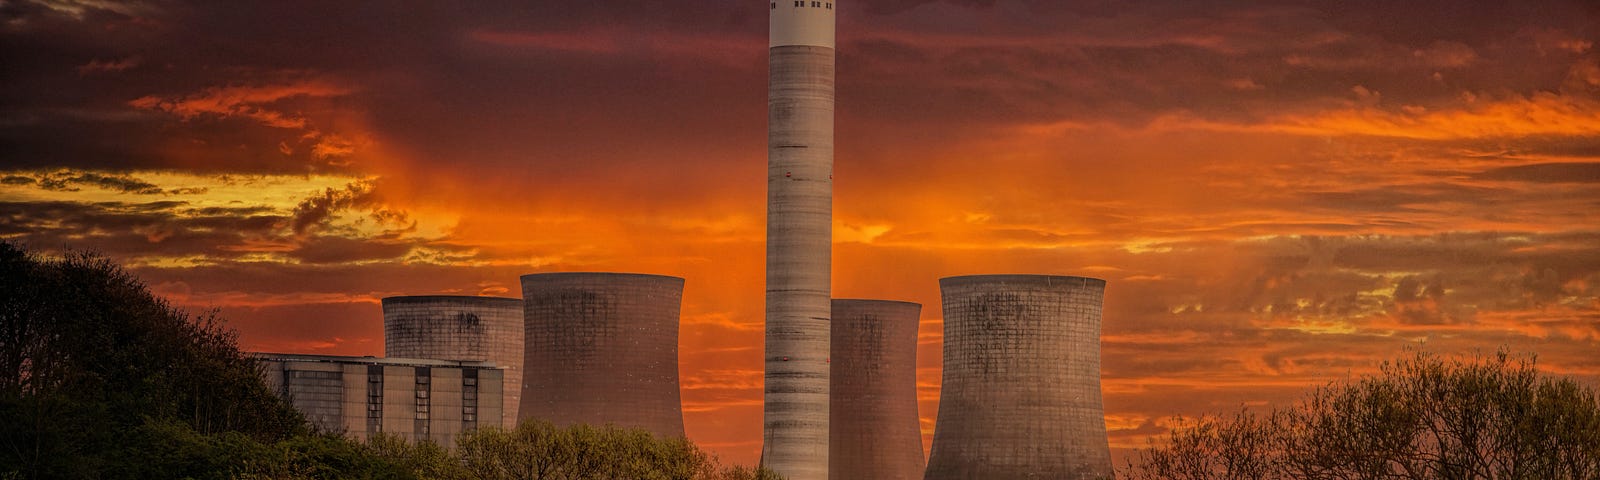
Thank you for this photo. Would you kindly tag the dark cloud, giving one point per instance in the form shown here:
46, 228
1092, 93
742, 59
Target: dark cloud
68, 180
316, 210
918, 71
884, 7
1418, 302
1588, 172
1399, 198
141, 229
115, 182
344, 250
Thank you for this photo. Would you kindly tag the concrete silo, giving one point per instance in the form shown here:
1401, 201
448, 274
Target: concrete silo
800, 88
874, 431
1021, 390
602, 348
459, 328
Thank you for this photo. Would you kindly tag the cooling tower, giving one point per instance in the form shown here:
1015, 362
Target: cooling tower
602, 348
459, 328
874, 431
1021, 390
799, 234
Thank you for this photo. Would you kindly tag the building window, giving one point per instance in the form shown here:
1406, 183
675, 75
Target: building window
374, 398
469, 398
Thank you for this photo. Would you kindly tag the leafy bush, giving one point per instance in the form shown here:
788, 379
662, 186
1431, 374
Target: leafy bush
1421, 418
537, 450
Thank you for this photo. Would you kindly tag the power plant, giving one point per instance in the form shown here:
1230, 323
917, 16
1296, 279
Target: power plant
1020, 396
459, 328
602, 348
875, 432
800, 71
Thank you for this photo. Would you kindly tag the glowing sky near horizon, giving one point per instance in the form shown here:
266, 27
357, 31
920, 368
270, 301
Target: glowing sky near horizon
1279, 193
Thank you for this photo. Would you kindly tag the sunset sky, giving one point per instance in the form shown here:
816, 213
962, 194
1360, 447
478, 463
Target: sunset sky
1279, 193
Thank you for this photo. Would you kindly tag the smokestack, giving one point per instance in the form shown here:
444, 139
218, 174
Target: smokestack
1021, 390
799, 235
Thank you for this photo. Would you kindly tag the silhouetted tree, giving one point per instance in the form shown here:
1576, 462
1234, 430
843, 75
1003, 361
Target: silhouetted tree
88, 356
1421, 418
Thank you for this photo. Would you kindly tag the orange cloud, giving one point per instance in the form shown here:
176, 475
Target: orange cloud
249, 101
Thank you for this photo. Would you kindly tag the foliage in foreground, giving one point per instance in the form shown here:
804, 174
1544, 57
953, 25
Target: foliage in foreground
537, 450
1422, 418
532, 451
90, 361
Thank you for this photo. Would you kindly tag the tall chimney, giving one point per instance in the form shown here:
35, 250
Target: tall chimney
799, 237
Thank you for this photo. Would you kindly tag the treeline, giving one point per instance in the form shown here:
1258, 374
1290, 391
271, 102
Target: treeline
100, 379
1419, 418
533, 451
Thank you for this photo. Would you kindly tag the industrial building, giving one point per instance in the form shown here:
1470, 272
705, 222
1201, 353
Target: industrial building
1021, 386
800, 97
460, 328
415, 399
874, 430
602, 348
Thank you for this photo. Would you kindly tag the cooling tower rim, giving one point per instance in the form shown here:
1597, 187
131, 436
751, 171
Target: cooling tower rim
561, 275
1019, 278
435, 298
876, 301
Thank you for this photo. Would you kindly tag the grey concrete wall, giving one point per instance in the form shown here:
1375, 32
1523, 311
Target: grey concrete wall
1021, 391
799, 256
317, 390
874, 430
355, 400
335, 394
461, 328
602, 348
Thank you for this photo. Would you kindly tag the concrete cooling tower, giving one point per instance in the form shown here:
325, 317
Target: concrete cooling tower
874, 431
459, 328
602, 348
1021, 390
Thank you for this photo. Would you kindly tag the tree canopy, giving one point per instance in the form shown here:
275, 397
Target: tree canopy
88, 356
1422, 418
